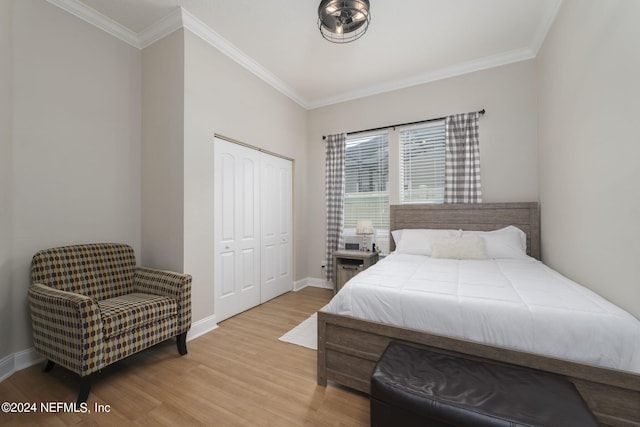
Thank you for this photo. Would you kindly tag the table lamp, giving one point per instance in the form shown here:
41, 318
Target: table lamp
365, 229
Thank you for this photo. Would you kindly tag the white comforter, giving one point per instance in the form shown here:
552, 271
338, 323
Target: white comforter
518, 304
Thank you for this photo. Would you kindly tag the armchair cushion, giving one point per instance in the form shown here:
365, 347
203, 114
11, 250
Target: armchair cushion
121, 315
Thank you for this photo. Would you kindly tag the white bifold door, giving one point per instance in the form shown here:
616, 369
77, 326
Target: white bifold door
275, 228
252, 227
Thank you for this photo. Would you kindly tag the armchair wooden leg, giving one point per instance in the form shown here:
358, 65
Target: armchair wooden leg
182, 343
85, 387
49, 366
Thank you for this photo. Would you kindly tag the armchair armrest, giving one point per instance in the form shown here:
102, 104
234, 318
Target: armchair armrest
67, 328
170, 284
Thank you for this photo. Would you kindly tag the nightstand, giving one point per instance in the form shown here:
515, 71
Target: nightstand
347, 264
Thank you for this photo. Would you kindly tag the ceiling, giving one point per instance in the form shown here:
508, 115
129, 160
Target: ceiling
409, 42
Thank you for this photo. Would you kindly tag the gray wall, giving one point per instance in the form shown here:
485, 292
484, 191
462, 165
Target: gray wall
191, 91
6, 234
588, 94
74, 101
162, 153
224, 98
508, 142
74, 148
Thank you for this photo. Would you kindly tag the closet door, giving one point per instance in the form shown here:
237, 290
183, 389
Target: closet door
276, 207
236, 229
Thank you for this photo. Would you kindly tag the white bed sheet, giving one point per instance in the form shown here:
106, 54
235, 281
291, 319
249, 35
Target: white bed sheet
517, 304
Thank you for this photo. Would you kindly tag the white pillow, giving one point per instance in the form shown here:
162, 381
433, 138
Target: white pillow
458, 247
418, 241
508, 242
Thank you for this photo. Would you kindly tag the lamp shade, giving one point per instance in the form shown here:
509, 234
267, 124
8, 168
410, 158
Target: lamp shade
364, 226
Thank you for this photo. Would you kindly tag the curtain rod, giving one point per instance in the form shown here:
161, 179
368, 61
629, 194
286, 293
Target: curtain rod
481, 112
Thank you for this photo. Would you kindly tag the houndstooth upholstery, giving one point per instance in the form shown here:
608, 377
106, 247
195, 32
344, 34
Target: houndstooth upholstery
123, 314
91, 306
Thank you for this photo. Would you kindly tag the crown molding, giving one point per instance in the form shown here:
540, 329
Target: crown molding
544, 27
181, 18
161, 28
205, 32
431, 76
455, 70
99, 20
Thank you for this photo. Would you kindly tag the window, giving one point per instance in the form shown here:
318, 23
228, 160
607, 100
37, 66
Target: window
418, 176
422, 163
366, 185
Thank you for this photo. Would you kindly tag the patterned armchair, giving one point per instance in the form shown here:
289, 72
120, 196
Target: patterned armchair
91, 306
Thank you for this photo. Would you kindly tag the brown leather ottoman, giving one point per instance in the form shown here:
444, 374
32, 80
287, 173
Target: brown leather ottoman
417, 387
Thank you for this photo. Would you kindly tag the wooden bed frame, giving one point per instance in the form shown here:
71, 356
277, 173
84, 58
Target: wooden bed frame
348, 348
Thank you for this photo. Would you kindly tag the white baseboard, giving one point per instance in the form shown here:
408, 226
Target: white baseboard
208, 324
201, 327
311, 281
20, 360
15, 362
23, 359
28, 357
7, 367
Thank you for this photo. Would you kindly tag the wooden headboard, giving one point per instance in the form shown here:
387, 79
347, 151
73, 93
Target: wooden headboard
470, 216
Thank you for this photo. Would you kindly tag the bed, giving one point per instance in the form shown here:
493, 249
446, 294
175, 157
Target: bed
348, 346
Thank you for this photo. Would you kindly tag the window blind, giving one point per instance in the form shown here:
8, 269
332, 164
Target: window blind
366, 184
422, 163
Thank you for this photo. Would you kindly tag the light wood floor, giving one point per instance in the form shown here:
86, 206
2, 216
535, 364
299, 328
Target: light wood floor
238, 374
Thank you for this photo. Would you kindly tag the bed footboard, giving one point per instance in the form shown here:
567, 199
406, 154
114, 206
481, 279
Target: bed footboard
349, 348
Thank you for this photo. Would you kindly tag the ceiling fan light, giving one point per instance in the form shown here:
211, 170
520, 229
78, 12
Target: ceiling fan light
343, 21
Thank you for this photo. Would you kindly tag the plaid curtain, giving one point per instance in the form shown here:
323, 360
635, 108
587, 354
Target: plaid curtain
462, 174
334, 193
